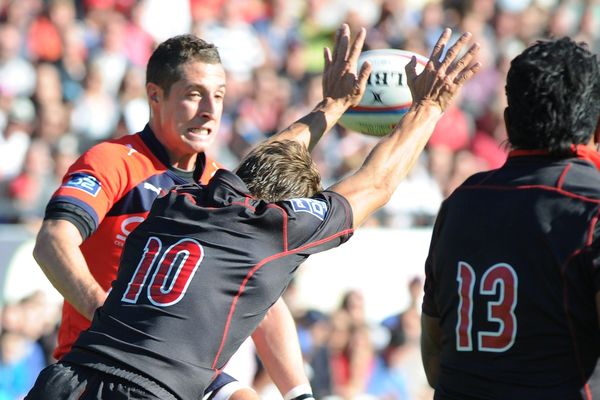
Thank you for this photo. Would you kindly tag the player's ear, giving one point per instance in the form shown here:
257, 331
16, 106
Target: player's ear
153, 92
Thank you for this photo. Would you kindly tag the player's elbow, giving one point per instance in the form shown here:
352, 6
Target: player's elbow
40, 248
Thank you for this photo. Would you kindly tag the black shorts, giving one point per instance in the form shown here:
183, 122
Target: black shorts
66, 381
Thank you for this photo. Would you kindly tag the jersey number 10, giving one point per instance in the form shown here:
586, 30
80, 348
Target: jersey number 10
171, 275
499, 280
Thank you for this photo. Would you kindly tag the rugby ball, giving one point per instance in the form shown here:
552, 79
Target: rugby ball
387, 96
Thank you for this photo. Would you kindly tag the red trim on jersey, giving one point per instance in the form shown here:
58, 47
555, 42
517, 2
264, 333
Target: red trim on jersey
541, 187
588, 391
580, 151
188, 197
285, 229
593, 223
563, 175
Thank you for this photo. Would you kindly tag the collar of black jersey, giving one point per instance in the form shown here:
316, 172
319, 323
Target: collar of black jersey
160, 152
225, 187
580, 151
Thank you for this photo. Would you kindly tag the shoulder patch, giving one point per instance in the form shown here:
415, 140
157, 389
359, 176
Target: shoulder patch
318, 208
84, 182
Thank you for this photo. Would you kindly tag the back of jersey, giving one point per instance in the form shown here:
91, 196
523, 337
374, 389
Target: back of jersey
512, 276
199, 274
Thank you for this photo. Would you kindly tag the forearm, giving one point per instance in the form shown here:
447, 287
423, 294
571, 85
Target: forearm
430, 348
389, 162
394, 156
58, 255
277, 345
310, 128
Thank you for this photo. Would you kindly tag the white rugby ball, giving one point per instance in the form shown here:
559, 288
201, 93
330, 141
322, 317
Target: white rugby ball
387, 96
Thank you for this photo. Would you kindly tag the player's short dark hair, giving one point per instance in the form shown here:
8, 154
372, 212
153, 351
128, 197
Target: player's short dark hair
280, 170
164, 65
553, 93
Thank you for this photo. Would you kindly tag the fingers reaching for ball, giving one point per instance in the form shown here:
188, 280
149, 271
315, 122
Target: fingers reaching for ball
444, 74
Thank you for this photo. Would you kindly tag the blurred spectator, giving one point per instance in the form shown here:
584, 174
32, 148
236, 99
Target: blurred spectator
43, 39
72, 64
16, 137
110, 59
95, 112
278, 31
238, 42
52, 122
388, 381
32, 188
154, 15
405, 330
138, 43
258, 114
48, 88
21, 356
17, 75
132, 99
416, 201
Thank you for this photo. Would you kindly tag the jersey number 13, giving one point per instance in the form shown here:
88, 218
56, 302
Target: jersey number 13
500, 281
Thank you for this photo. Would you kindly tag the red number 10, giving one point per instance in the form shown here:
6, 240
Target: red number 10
501, 280
172, 275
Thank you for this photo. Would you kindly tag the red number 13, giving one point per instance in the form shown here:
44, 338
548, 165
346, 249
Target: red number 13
501, 280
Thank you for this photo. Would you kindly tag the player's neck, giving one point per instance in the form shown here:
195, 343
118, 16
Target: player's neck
186, 163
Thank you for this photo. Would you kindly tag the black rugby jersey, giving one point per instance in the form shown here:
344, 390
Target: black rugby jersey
512, 273
199, 274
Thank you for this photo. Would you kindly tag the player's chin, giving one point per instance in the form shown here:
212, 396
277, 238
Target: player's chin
199, 142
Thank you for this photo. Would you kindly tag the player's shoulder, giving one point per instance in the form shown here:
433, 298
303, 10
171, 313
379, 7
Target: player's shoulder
478, 178
582, 178
120, 147
112, 153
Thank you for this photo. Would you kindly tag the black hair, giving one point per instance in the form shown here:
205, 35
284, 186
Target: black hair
553, 93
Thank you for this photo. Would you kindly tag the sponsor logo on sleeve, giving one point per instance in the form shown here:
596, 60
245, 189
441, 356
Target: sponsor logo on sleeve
84, 182
318, 208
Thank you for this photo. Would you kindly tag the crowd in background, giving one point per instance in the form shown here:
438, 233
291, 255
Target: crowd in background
72, 74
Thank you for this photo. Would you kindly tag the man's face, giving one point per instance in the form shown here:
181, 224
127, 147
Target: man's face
187, 120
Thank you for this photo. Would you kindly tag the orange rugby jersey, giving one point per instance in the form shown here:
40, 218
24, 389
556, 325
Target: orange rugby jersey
111, 187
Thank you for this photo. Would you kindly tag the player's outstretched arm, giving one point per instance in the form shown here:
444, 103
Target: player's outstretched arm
57, 252
392, 158
343, 87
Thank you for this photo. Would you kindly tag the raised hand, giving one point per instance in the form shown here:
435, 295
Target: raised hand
340, 79
440, 80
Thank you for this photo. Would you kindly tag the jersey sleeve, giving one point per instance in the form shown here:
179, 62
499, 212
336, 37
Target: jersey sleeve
429, 305
318, 223
92, 183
